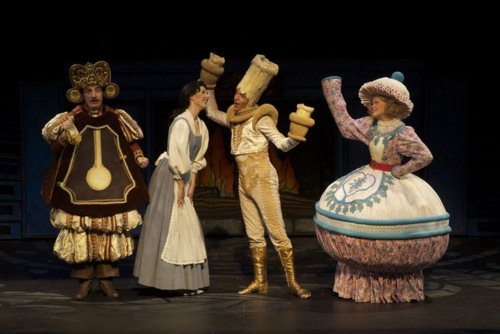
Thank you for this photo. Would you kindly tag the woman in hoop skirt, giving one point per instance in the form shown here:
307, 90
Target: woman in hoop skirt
382, 223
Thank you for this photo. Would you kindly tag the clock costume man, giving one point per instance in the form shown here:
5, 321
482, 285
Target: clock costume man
94, 183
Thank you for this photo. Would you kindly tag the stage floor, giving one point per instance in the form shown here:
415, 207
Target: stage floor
462, 295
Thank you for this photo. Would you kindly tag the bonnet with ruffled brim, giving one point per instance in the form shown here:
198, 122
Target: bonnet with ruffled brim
390, 87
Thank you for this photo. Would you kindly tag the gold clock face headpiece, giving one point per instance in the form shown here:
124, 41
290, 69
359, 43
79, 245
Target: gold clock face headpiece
83, 76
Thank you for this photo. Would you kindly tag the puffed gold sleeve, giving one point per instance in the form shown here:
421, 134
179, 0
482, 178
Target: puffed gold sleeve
129, 126
52, 129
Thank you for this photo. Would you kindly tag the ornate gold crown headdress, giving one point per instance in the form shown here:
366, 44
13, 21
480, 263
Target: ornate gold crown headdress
98, 74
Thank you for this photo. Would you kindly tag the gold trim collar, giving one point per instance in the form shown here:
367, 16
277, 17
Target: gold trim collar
256, 112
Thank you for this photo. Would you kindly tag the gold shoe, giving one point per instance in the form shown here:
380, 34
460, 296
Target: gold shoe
286, 257
106, 286
259, 284
83, 289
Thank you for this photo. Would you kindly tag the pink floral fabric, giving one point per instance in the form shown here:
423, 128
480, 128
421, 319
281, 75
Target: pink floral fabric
381, 271
405, 143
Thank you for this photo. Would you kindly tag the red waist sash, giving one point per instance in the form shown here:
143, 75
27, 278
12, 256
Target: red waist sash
381, 166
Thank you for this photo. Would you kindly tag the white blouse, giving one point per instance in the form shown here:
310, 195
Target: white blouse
178, 146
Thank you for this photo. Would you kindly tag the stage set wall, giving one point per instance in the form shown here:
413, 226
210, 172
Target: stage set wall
149, 90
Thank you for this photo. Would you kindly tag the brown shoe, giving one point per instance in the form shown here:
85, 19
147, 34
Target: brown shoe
106, 286
83, 289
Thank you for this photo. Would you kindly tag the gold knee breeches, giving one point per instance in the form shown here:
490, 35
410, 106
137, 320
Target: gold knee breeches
259, 200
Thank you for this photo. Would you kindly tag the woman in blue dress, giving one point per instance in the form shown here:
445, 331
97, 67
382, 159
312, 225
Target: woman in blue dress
171, 254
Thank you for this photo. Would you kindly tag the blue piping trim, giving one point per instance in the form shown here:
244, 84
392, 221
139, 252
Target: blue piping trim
401, 221
331, 77
384, 236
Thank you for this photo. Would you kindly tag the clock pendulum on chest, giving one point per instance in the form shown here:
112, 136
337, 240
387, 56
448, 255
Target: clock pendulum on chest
98, 176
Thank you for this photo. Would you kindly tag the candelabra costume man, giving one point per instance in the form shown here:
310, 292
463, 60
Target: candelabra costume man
93, 182
252, 126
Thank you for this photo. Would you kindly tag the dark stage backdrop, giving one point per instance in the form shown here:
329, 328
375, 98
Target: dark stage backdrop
149, 89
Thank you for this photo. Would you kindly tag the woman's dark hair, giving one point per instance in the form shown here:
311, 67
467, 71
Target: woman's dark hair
187, 91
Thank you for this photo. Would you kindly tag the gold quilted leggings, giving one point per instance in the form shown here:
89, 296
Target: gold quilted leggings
258, 189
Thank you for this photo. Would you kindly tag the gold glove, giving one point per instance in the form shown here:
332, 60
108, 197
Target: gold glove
300, 122
211, 69
73, 135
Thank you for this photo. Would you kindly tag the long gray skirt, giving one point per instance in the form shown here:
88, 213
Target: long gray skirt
149, 267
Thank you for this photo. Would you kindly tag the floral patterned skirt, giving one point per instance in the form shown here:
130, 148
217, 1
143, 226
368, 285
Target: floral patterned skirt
383, 231
381, 271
